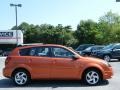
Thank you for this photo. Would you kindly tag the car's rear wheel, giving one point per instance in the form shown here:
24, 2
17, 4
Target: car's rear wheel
107, 58
92, 77
21, 77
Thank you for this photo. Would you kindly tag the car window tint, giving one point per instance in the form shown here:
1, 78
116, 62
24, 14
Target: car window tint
32, 51
117, 47
89, 48
42, 51
60, 52
80, 48
96, 48
24, 52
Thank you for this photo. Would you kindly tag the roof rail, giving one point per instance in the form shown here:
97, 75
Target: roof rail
29, 44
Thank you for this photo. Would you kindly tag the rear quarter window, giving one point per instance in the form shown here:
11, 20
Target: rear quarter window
24, 52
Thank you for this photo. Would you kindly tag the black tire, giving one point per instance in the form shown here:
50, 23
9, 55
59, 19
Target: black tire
107, 58
21, 77
118, 59
92, 77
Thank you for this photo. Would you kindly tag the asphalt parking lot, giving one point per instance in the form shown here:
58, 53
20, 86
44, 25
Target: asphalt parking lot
112, 84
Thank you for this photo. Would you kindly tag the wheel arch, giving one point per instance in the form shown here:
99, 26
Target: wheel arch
92, 68
21, 68
108, 55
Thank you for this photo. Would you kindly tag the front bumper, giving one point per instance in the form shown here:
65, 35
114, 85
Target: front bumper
108, 73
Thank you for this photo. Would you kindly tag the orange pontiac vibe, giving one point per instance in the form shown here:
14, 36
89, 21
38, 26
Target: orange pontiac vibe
54, 62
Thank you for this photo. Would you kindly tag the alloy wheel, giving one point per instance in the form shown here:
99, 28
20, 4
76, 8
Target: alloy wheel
20, 78
92, 77
107, 58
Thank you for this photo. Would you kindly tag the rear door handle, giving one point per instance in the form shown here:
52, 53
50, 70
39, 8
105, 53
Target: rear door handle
30, 60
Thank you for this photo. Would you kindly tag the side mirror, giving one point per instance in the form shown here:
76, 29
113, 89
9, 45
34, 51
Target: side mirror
79, 52
75, 57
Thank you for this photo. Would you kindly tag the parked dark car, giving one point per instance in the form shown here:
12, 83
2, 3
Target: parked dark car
111, 51
90, 50
6, 52
82, 47
1, 51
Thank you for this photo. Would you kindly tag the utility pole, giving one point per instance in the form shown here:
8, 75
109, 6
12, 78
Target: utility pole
16, 5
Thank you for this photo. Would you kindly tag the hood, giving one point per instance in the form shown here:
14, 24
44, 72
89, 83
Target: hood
91, 59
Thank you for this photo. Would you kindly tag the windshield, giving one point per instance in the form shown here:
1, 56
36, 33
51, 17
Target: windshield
109, 46
80, 48
89, 48
83, 47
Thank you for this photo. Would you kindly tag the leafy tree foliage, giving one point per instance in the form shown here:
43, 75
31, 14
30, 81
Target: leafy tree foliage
86, 32
106, 30
109, 25
46, 33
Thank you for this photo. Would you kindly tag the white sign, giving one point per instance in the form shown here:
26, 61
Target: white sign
6, 34
11, 37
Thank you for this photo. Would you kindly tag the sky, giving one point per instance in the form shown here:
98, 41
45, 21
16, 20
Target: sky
54, 12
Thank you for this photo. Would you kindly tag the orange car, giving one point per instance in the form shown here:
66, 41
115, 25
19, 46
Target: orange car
54, 62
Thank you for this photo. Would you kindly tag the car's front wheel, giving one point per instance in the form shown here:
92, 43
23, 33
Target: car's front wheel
92, 77
21, 77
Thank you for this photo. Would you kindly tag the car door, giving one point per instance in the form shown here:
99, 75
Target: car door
64, 67
116, 51
40, 62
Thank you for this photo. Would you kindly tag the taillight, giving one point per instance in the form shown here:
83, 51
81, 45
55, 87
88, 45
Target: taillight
7, 60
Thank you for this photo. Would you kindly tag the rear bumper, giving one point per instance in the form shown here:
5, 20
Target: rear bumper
7, 72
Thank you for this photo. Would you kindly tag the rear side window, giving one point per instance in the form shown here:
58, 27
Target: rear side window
35, 51
40, 51
24, 52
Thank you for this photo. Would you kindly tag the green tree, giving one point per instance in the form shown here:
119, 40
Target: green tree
110, 18
86, 32
109, 26
46, 33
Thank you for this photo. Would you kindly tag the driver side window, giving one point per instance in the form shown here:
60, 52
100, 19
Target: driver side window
61, 52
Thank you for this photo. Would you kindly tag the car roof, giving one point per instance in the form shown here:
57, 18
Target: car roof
116, 43
37, 45
98, 46
86, 44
